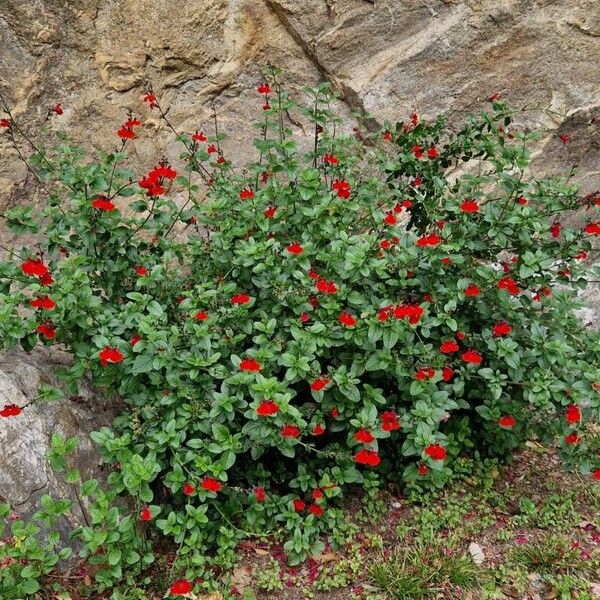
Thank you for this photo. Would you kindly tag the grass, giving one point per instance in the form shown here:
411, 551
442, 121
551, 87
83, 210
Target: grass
422, 570
549, 555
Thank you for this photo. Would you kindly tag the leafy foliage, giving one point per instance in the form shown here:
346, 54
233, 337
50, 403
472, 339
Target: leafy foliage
370, 309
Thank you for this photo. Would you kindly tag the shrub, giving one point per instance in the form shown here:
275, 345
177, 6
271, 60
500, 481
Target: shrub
371, 308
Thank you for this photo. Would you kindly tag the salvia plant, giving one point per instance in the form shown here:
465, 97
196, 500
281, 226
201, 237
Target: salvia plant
361, 309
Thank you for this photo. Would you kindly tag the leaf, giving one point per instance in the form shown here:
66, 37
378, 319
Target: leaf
142, 364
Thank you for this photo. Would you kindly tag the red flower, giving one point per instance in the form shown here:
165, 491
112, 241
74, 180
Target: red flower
46, 279
432, 152
449, 347
47, 331
259, 494
199, 136
596, 474
141, 271
10, 410
447, 260
501, 328
145, 514
290, 431
316, 510
407, 203
330, 159
34, 267
181, 587
270, 212
104, 204
110, 355
246, 194
347, 319
44, 302
390, 219
417, 151
367, 457
582, 255
508, 284
150, 98
318, 384
432, 239
57, 110
201, 316
240, 299
522, 201
565, 138
326, 287
412, 312
317, 494
295, 248
211, 149
162, 170
211, 485
460, 335
5, 123
425, 373
422, 469
364, 436
387, 136
299, 505
318, 429
126, 133
264, 88
573, 414
267, 408
472, 357
592, 228
342, 187
389, 421
436, 452
571, 439
250, 364
304, 317
507, 421
266, 106
555, 229
447, 374
494, 97
335, 413
188, 489
384, 313
469, 206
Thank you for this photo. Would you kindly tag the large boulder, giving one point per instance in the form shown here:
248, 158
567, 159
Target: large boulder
25, 475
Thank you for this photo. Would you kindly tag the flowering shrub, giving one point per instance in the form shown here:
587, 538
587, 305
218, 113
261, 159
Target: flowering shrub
369, 309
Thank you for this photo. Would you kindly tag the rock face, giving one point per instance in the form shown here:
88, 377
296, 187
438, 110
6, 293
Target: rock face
25, 475
387, 58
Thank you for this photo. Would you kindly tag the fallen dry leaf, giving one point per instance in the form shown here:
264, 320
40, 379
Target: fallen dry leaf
326, 557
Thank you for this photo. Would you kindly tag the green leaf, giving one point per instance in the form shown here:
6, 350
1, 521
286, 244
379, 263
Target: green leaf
143, 363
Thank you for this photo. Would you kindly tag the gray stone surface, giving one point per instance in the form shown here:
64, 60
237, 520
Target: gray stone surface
25, 475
